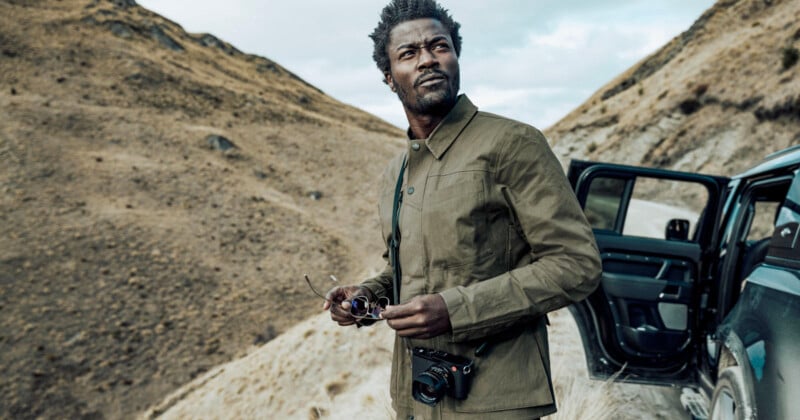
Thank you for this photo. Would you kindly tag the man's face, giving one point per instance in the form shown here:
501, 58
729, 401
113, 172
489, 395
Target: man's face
424, 67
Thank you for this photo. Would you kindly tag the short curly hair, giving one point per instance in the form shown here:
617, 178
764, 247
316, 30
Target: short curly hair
399, 11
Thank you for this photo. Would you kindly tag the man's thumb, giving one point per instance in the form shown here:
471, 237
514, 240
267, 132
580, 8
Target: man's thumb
388, 310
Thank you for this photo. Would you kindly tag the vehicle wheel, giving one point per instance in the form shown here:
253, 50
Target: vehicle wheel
729, 401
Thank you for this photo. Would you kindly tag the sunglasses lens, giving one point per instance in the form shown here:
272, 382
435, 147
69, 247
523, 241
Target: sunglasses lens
383, 302
359, 306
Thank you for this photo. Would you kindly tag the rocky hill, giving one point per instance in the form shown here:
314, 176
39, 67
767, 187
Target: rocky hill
715, 99
161, 195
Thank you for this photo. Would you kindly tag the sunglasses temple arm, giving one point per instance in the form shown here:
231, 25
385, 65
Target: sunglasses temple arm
308, 281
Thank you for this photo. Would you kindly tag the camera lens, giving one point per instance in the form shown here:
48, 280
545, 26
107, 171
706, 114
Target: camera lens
430, 386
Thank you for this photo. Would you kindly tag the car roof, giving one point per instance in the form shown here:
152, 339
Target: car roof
780, 159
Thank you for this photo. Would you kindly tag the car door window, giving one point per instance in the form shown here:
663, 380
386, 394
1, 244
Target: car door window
603, 202
790, 208
752, 236
643, 206
655, 202
785, 243
763, 220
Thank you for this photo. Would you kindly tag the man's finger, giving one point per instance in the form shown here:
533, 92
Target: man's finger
342, 319
340, 311
405, 323
335, 294
414, 332
400, 311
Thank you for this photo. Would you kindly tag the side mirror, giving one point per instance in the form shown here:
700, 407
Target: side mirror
677, 230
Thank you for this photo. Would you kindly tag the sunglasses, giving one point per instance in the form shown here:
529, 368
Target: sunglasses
360, 306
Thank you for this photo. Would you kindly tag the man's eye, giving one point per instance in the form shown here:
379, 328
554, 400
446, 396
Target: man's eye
406, 54
441, 47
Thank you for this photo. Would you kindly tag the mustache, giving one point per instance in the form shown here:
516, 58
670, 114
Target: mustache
428, 76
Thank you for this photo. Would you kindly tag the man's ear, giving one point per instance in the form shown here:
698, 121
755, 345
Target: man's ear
387, 78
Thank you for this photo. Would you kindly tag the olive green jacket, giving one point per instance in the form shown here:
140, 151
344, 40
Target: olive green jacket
489, 221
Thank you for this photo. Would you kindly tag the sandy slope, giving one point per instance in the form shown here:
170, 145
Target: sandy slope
315, 368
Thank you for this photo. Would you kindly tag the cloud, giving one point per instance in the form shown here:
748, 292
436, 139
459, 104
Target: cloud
554, 67
568, 35
533, 61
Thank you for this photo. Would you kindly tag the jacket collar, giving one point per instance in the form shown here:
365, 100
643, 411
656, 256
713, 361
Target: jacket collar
451, 126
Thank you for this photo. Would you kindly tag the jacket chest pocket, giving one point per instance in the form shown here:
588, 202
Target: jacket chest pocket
454, 220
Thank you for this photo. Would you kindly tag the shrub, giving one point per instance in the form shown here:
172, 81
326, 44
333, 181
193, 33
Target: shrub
701, 89
690, 106
790, 56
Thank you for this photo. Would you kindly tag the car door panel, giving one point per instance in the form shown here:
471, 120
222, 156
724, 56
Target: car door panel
640, 317
637, 286
645, 288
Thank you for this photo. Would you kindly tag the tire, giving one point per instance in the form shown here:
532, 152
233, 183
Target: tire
729, 401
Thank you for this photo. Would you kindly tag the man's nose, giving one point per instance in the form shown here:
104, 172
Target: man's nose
427, 59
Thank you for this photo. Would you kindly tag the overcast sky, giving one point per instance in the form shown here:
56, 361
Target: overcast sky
531, 60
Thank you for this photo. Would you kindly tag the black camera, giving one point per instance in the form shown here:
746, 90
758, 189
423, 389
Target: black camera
436, 373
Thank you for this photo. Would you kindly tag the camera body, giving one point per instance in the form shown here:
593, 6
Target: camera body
436, 373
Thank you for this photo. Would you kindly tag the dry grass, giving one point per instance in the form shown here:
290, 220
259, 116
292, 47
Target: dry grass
582, 398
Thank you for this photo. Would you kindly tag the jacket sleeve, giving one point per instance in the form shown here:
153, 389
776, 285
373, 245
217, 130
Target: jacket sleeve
563, 263
381, 285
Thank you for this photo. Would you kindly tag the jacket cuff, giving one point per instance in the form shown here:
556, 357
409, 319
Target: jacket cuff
456, 306
377, 289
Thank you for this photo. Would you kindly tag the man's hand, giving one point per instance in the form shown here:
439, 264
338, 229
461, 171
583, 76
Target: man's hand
338, 301
423, 316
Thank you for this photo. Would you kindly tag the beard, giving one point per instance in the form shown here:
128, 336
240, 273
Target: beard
433, 102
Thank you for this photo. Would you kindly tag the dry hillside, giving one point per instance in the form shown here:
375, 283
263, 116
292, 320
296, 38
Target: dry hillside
715, 99
134, 253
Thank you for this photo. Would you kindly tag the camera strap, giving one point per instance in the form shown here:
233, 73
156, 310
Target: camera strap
394, 241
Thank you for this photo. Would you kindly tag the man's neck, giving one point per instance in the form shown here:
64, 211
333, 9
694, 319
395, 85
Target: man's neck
421, 126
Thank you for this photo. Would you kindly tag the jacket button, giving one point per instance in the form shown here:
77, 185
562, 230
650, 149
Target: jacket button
415, 146
410, 190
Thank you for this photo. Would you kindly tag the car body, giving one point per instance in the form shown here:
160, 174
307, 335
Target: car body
703, 291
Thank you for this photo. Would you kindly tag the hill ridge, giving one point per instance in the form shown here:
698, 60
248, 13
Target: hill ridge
723, 87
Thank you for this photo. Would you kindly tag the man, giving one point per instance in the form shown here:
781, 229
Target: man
491, 235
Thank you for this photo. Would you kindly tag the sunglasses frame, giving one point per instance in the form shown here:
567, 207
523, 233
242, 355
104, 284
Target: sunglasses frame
311, 286
373, 309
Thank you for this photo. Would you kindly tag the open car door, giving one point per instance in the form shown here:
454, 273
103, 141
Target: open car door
653, 228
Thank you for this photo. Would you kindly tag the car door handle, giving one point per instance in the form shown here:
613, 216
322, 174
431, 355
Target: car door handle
670, 292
